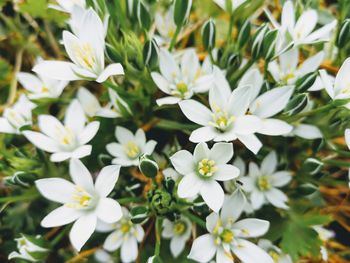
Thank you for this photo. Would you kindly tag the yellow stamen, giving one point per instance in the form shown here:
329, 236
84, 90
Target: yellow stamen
132, 150
207, 168
264, 183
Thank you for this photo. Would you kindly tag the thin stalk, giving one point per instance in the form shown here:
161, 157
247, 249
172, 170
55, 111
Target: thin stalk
194, 218
338, 163
11, 199
158, 237
13, 86
173, 40
128, 200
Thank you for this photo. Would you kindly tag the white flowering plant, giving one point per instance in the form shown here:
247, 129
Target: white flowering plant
174, 131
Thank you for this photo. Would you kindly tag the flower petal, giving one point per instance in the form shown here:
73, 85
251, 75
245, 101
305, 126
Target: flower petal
248, 252
168, 101
56, 189
274, 127
41, 141
269, 164
75, 117
82, 151
81, 175
251, 142
89, 132
61, 216
59, 70
195, 112
203, 134
221, 152
108, 210
252, 227
226, 172
107, 179
203, 248
161, 82
123, 135
60, 156
177, 245
110, 70
113, 241
183, 162
306, 131
277, 198
129, 250
281, 178
189, 186
82, 230
212, 194
237, 200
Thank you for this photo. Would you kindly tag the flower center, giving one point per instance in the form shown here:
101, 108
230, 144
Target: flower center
288, 77
207, 168
274, 256
179, 227
181, 90
132, 150
264, 183
221, 119
44, 89
227, 236
125, 227
67, 136
85, 55
81, 199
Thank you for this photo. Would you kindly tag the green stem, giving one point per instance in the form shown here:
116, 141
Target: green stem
159, 222
59, 237
194, 218
339, 163
311, 112
229, 32
11, 199
127, 200
173, 40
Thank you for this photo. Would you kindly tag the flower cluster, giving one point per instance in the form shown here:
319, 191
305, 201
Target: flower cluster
163, 138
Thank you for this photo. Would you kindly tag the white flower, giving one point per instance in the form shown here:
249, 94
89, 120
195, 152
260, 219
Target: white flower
184, 80
324, 234
102, 256
93, 108
130, 146
276, 253
179, 232
86, 50
17, 116
165, 26
227, 235
341, 87
263, 183
267, 104
40, 86
67, 5
287, 71
66, 140
227, 118
27, 249
125, 236
234, 4
302, 31
202, 170
306, 131
83, 202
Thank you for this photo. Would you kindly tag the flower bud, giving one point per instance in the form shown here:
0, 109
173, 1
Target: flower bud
343, 36
244, 34
154, 259
20, 178
161, 202
258, 41
143, 15
312, 166
182, 10
151, 53
269, 44
307, 189
296, 104
30, 248
209, 35
306, 81
139, 214
148, 166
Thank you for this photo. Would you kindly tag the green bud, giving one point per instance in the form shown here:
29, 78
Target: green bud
148, 166
233, 61
20, 178
161, 202
143, 15
307, 189
343, 36
269, 44
182, 10
209, 35
139, 214
312, 165
258, 41
151, 53
296, 104
244, 34
305, 82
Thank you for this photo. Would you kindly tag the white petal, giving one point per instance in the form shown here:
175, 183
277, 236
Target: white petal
183, 162
203, 249
240, 100
167, 65
251, 142
82, 230
161, 82
149, 147
30, 82
321, 34
289, 60
81, 175
123, 135
168, 101
189, 64
288, 17
274, 127
82, 151
312, 63
257, 199
61, 216
272, 102
59, 70
307, 131
189, 186
277, 198
248, 252
60, 156
247, 124
50, 126
195, 112
129, 250
75, 117
177, 245
41, 141
211, 221
223, 256
55, 189
88, 101
236, 200
347, 137
327, 83
107, 179
201, 151
252, 78
226, 172
110, 70
252, 227
203, 134
109, 210
6, 127
305, 24
89, 132
113, 241
115, 149
212, 194
269, 164
281, 178
221, 153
